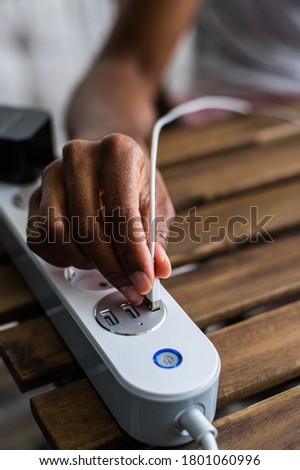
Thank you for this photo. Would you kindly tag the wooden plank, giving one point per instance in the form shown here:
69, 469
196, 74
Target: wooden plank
205, 179
17, 302
35, 354
248, 348
247, 352
236, 282
272, 424
224, 225
74, 417
183, 143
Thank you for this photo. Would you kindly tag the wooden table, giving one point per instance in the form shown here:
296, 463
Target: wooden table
242, 290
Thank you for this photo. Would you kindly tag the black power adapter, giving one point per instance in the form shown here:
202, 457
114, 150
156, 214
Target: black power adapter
25, 144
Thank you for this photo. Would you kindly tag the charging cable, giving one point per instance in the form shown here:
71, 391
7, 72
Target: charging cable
199, 104
226, 103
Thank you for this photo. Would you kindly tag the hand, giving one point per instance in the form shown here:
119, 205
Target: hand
92, 211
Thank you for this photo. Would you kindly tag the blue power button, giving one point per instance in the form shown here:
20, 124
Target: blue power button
167, 358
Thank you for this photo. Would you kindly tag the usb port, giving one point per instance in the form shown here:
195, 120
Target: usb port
109, 317
132, 312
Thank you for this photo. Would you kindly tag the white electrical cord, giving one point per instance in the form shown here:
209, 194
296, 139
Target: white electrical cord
226, 103
199, 428
199, 104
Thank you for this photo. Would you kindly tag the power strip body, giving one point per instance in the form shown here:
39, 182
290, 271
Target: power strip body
134, 374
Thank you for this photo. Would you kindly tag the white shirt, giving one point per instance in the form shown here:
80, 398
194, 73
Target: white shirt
247, 47
237, 47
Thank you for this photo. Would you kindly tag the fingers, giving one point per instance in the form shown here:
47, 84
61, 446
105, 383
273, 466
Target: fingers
49, 233
123, 172
83, 158
90, 213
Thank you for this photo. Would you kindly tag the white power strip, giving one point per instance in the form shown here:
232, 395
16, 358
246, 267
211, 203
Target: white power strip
149, 367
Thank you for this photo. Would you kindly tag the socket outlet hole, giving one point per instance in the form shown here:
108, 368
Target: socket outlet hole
89, 279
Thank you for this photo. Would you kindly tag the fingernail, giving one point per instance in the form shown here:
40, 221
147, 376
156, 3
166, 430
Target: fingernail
166, 259
132, 295
141, 282
167, 262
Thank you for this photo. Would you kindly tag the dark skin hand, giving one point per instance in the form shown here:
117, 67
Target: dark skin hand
104, 175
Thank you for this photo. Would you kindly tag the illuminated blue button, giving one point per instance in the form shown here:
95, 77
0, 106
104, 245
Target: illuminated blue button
167, 358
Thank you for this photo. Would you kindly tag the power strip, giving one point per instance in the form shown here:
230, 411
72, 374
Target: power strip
148, 367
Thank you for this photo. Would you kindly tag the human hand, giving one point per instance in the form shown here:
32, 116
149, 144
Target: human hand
92, 211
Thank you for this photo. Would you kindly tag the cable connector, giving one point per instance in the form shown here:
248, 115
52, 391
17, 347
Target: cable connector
152, 299
199, 427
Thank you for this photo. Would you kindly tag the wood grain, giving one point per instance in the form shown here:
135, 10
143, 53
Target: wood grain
17, 302
272, 424
183, 143
224, 287
248, 349
223, 174
35, 355
74, 417
226, 224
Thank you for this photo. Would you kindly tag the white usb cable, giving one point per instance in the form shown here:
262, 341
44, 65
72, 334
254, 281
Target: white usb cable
199, 104
226, 103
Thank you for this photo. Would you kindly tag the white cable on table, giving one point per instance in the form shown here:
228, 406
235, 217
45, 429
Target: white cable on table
226, 103
200, 104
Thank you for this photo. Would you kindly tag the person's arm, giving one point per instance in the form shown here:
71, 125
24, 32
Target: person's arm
108, 170
120, 90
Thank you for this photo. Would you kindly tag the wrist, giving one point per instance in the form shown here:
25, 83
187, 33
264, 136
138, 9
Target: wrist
112, 97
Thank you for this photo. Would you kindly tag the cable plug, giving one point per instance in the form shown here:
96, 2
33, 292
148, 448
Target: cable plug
152, 299
199, 428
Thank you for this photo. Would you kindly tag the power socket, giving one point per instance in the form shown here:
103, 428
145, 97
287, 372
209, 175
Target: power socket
148, 367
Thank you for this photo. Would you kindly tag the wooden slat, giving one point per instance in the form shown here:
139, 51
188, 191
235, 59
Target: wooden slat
74, 417
247, 352
68, 423
236, 282
228, 173
273, 424
35, 354
177, 144
248, 348
279, 203
17, 302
